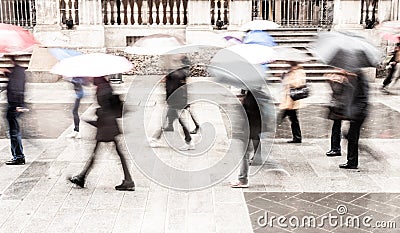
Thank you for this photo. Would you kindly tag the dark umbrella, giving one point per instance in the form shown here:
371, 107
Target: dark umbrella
345, 50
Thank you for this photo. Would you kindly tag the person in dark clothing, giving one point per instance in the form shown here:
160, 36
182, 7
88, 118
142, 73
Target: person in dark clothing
350, 102
107, 131
336, 136
176, 97
78, 87
253, 114
16, 106
392, 65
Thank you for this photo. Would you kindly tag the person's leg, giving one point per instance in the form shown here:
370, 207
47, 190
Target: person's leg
127, 184
76, 114
295, 125
188, 138
194, 119
352, 147
256, 160
336, 135
244, 168
80, 179
15, 135
388, 78
172, 115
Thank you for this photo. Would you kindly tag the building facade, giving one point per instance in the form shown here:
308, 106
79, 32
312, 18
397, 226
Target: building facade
118, 23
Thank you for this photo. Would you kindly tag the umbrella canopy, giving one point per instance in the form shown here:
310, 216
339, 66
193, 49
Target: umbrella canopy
390, 30
92, 65
259, 25
43, 59
60, 53
233, 40
15, 40
345, 50
259, 37
155, 44
239, 65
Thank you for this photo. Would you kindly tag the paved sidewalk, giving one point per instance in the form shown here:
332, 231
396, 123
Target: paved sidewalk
37, 198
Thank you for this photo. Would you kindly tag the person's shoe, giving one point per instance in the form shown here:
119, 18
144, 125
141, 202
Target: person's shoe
72, 134
168, 128
78, 135
333, 153
155, 143
195, 130
78, 180
188, 146
20, 161
385, 90
126, 186
239, 184
347, 166
294, 141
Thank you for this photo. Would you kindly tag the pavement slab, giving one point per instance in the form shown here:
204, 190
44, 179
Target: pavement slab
297, 180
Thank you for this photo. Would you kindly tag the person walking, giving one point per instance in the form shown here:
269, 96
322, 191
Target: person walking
16, 106
176, 97
294, 78
78, 83
253, 114
107, 131
336, 137
349, 102
393, 67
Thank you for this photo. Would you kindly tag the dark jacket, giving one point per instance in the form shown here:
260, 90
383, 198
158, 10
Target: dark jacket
176, 89
16, 86
349, 98
107, 127
253, 115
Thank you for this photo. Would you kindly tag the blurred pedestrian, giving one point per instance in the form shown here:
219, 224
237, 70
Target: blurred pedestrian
176, 97
253, 114
350, 102
107, 131
336, 137
16, 106
393, 68
294, 78
78, 83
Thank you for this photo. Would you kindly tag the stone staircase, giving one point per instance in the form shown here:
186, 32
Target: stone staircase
298, 38
22, 60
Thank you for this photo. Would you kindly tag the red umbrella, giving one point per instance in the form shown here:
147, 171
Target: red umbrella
15, 39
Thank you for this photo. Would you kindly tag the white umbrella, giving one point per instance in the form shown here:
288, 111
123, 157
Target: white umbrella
259, 25
156, 44
92, 65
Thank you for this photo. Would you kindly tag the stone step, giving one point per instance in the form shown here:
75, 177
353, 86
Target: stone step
273, 79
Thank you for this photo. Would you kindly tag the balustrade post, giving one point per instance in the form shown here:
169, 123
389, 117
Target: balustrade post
239, 13
347, 14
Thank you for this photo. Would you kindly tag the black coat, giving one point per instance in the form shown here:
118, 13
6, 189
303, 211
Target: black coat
176, 89
253, 115
107, 126
16, 86
349, 98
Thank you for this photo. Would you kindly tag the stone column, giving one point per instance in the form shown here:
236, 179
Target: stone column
239, 13
384, 10
47, 12
199, 20
90, 12
347, 14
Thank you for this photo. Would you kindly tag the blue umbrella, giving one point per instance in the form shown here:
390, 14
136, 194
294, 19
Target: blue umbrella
259, 37
61, 54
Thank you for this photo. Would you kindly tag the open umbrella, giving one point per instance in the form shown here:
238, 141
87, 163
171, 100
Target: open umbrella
259, 25
240, 65
60, 53
15, 39
156, 44
345, 50
92, 65
259, 37
390, 30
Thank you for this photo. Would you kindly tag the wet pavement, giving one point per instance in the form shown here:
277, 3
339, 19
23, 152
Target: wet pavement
298, 180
